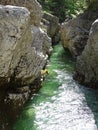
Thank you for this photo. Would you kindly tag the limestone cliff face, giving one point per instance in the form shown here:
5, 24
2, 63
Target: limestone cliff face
32, 5
87, 63
24, 49
41, 42
19, 56
29, 46
74, 33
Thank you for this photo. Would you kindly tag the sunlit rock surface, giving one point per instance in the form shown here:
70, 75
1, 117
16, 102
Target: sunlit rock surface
87, 63
41, 41
33, 6
74, 33
19, 59
24, 50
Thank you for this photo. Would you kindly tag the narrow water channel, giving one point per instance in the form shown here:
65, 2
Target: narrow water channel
61, 104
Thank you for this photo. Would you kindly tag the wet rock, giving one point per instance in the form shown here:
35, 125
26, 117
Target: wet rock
87, 63
33, 6
14, 103
53, 26
74, 33
17, 99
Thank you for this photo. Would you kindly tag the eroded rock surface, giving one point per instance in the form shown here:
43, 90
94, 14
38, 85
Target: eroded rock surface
87, 63
24, 49
74, 33
41, 41
33, 6
19, 59
53, 26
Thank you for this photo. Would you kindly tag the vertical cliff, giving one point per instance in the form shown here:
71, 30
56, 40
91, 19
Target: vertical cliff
24, 50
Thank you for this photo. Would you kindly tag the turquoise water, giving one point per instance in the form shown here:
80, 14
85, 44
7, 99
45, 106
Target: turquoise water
61, 103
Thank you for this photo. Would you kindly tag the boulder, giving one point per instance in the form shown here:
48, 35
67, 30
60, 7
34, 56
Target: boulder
74, 33
33, 6
53, 26
11, 106
19, 58
87, 63
24, 49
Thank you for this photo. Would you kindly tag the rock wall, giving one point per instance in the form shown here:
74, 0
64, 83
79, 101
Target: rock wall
41, 42
87, 63
20, 58
32, 5
24, 49
52, 26
74, 33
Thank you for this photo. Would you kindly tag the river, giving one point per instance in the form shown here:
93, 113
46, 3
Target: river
61, 103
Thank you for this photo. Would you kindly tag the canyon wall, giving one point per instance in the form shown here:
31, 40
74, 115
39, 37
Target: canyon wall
24, 50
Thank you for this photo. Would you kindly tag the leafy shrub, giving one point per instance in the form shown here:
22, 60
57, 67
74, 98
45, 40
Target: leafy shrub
63, 8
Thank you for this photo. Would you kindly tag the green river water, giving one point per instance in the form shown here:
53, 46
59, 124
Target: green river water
61, 103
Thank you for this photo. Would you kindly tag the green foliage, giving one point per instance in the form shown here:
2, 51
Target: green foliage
93, 4
75, 7
63, 8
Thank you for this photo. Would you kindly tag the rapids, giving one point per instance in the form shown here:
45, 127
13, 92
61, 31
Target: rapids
61, 103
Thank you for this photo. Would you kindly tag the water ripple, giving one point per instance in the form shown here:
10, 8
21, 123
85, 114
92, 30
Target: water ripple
61, 104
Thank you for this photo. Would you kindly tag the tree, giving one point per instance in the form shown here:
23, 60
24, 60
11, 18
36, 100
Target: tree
63, 8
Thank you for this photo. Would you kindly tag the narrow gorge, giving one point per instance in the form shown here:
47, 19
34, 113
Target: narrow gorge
49, 67
61, 103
